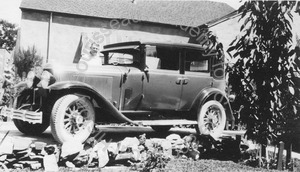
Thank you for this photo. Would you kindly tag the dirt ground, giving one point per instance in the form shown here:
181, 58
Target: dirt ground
109, 133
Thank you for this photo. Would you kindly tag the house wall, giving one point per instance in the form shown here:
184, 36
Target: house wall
227, 31
66, 31
34, 31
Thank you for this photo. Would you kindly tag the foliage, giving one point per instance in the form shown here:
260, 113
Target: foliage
263, 78
24, 60
8, 35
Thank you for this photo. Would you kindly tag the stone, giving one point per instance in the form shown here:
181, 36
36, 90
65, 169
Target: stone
179, 144
7, 146
173, 137
40, 145
113, 148
102, 154
167, 148
49, 160
18, 166
35, 166
70, 148
128, 142
70, 164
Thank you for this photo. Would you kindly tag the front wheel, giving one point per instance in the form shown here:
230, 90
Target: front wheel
72, 118
211, 118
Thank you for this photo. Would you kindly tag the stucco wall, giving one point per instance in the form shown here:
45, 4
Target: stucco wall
34, 31
227, 31
66, 30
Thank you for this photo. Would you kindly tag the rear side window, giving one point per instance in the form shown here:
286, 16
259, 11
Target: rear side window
162, 58
195, 62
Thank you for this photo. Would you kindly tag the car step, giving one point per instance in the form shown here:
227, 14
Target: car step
165, 122
129, 112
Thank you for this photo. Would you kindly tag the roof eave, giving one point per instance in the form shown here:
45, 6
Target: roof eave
72, 14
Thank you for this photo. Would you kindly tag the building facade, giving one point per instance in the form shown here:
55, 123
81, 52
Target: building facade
63, 30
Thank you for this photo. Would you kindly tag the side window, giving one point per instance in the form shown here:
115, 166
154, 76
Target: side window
160, 57
152, 61
195, 62
169, 57
120, 58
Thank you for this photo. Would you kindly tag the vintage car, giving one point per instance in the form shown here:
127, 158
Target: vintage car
140, 83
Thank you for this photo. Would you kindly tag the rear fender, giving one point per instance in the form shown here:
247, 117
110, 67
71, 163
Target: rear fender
214, 94
71, 87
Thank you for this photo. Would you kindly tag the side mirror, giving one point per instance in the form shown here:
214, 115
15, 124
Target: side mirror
146, 70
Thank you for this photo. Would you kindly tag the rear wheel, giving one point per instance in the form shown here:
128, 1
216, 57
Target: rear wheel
72, 118
211, 118
161, 128
30, 128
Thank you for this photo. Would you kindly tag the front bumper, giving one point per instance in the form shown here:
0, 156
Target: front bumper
24, 115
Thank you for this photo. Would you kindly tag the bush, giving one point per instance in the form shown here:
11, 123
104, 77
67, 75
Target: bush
24, 60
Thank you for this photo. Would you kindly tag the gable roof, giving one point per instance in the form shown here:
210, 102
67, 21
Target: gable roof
181, 12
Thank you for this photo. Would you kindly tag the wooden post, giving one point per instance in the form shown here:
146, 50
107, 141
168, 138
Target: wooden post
289, 161
280, 155
260, 160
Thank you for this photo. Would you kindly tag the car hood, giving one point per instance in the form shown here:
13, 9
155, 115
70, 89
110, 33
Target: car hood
107, 70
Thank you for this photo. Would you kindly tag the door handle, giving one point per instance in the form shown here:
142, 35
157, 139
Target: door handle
185, 81
178, 81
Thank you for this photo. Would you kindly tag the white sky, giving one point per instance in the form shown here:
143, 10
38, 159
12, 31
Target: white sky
10, 11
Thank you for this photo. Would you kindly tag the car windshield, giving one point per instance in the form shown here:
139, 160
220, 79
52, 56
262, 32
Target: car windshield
120, 58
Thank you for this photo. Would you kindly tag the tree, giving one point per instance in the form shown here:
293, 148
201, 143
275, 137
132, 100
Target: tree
8, 35
24, 60
263, 78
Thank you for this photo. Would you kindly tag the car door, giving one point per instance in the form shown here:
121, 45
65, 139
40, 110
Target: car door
131, 82
162, 90
195, 78
162, 84
132, 89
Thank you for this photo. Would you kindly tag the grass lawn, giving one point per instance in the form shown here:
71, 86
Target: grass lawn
215, 166
183, 165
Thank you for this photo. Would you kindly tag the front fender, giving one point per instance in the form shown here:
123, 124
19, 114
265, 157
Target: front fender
69, 85
82, 88
214, 94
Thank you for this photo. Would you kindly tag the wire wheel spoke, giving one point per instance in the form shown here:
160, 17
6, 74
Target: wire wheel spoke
76, 117
68, 128
211, 118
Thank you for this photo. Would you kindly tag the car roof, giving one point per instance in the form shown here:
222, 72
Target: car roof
135, 45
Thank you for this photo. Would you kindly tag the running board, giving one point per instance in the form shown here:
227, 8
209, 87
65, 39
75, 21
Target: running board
132, 112
165, 122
